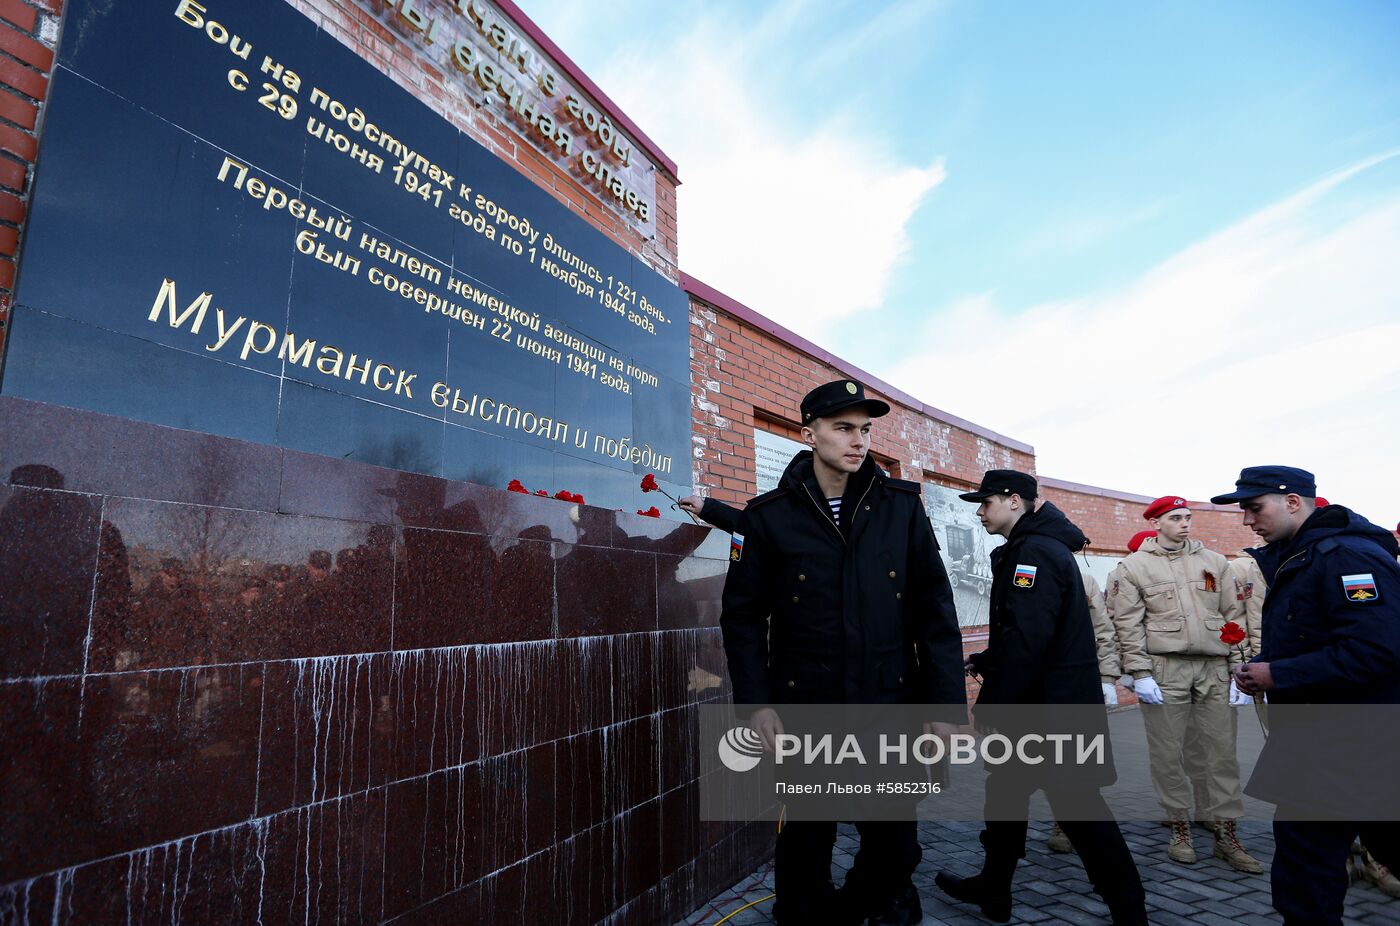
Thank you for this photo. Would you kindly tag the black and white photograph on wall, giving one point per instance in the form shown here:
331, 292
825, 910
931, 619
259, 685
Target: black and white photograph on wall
966, 549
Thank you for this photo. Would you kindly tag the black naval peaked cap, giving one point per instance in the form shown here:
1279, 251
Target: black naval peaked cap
836, 397
1003, 482
1255, 481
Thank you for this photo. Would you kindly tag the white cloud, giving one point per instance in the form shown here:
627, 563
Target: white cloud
1276, 340
803, 221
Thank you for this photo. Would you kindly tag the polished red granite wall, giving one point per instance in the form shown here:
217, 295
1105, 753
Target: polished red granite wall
484, 709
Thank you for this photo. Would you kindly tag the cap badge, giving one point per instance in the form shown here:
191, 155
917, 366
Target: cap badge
851, 388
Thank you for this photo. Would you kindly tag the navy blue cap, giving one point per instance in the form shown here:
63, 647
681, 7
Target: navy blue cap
831, 398
1255, 481
1003, 482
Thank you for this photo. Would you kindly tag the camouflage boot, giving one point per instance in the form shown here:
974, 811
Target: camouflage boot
1058, 841
1179, 848
1227, 846
1379, 875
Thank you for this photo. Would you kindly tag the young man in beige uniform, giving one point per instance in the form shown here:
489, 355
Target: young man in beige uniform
1250, 588
1110, 670
1172, 598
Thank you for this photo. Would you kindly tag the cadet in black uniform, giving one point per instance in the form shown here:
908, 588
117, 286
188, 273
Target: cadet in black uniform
1331, 636
836, 594
1041, 651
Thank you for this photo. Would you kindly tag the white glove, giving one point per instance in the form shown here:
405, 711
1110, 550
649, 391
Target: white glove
1238, 698
1148, 691
1110, 694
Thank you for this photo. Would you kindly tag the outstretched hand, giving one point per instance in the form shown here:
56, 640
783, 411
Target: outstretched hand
768, 725
1254, 678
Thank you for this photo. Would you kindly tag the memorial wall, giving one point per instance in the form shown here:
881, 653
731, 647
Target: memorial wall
302, 290
239, 226
290, 294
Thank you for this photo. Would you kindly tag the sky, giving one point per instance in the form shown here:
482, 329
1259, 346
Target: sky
1158, 242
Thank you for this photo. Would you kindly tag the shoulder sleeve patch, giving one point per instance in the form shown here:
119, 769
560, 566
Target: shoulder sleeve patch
1024, 577
1360, 587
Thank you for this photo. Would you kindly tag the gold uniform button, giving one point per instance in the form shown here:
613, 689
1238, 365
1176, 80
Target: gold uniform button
802, 578
791, 683
794, 599
891, 573
867, 507
897, 596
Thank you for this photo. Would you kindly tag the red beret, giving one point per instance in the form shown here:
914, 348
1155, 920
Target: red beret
1136, 543
1321, 502
1164, 504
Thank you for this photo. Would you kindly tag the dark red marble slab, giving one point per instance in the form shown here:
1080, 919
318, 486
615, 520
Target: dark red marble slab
432, 838
435, 705
48, 556
461, 906
325, 863
680, 817
636, 862
327, 487
215, 877
582, 801
523, 688
631, 774
689, 591
591, 698
453, 589
106, 455
518, 793
680, 750
123, 762
327, 729
605, 592
184, 585
634, 671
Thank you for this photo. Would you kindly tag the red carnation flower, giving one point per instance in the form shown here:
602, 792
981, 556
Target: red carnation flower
564, 495
649, 483
1231, 634
515, 486
577, 499
542, 493
651, 512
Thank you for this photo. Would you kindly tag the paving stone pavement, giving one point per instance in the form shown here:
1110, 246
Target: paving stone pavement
1051, 889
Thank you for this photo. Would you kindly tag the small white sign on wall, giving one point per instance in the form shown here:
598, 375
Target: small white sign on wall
771, 455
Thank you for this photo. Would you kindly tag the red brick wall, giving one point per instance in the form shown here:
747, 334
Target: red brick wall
748, 372
28, 31
746, 377
1110, 518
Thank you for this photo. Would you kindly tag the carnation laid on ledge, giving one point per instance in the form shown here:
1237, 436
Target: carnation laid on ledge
651, 512
649, 484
